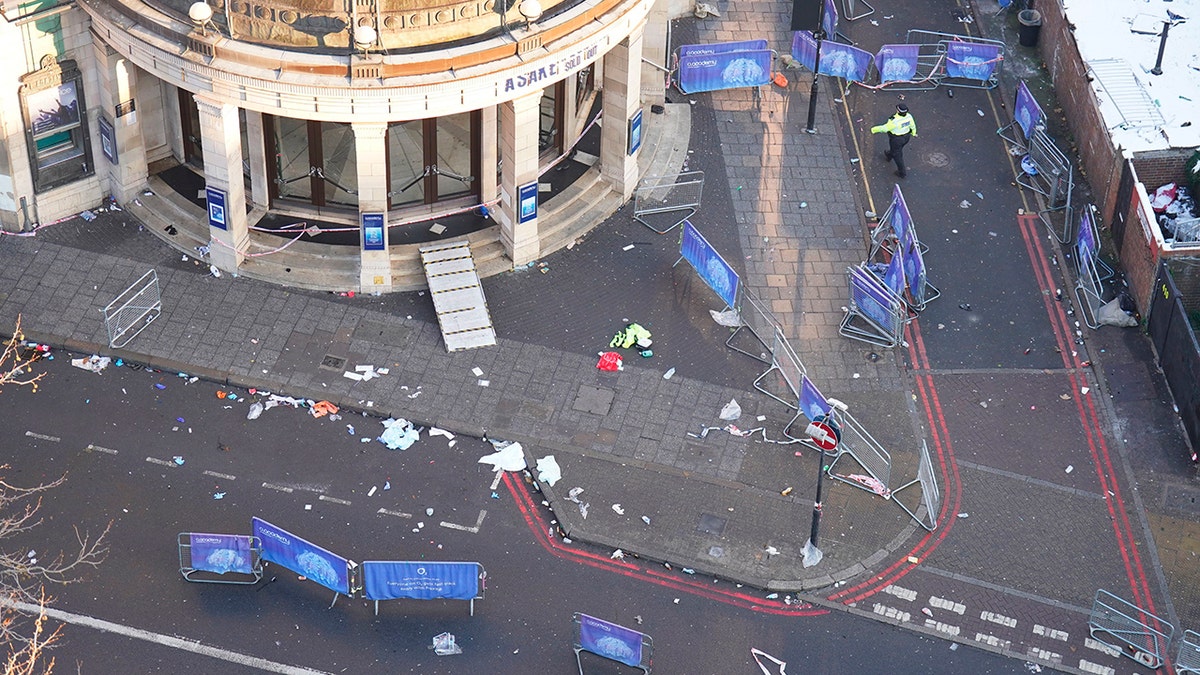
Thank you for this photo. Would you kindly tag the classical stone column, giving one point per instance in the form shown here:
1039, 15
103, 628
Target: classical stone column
489, 154
220, 131
655, 50
370, 152
519, 121
622, 89
259, 180
117, 80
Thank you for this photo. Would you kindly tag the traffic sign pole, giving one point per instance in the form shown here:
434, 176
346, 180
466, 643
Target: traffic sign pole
825, 435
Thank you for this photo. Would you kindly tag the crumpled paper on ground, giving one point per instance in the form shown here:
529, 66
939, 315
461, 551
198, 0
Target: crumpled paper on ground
731, 411
548, 470
728, 318
508, 457
93, 363
398, 434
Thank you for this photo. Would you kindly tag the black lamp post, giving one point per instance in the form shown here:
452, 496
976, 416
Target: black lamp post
819, 35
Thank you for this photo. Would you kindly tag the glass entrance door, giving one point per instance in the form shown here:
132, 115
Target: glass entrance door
312, 162
433, 160
189, 125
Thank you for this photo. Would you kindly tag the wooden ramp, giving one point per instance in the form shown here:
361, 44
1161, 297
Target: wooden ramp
457, 296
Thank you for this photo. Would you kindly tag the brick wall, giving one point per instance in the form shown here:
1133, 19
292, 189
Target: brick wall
1139, 252
1100, 161
1159, 167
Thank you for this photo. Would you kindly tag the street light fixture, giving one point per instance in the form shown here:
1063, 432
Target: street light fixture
201, 14
365, 37
531, 10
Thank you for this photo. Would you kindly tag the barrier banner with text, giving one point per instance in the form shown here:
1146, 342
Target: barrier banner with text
709, 264
221, 553
302, 557
897, 63
724, 70
972, 60
383, 580
610, 640
722, 48
812, 403
1026, 110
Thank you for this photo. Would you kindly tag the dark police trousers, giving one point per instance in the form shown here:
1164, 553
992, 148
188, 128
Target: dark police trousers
896, 150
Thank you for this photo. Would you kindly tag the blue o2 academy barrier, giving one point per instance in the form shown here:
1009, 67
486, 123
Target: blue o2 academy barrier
423, 580
613, 642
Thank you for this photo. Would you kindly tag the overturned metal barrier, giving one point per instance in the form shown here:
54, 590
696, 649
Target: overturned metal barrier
1112, 622
677, 194
134, 309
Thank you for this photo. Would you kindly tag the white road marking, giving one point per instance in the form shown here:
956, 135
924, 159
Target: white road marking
223, 476
998, 618
100, 448
994, 641
943, 627
161, 462
1100, 646
164, 640
398, 514
900, 592
43, 437
943, 603
1045, 655
281, 488
464, 528
1051, 633
335, 500
496, 481
1089, 667
891, 612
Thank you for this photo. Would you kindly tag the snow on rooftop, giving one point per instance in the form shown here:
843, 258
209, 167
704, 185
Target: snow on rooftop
1110, 31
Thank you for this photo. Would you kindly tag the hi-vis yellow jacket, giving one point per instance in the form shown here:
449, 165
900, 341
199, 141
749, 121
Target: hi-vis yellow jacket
898, 124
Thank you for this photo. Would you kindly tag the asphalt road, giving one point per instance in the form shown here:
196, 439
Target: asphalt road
116, 435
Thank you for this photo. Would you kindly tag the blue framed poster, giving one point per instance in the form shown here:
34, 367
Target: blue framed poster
972, 60
216, 208
302, 557
610, 640
221, 553
709, 264
384, 580
527, 202
1026, 110
635, 132
812, 402
897, 63
725, 70
108, 140
372, 229
844, 61
722, 48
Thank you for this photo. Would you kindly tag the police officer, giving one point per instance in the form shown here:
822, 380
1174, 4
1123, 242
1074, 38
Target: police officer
899, 127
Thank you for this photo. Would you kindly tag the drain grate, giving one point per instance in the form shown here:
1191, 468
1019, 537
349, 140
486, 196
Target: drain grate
710, 524
331, 362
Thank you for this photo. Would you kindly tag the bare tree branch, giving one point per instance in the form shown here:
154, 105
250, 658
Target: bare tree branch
16, 361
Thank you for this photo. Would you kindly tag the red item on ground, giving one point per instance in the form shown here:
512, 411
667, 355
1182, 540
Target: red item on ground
609, 361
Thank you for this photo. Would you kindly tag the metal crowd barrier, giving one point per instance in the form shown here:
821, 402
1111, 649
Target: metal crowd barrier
134, 309
1111, 622
760, 323
668, 194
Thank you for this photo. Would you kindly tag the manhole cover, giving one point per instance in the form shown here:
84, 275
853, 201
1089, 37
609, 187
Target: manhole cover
593, 400
331, 362
710, 524
938, 159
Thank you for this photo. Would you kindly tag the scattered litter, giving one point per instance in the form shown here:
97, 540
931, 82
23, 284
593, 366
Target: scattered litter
617, 555
731, 411
634, 335
979, 194
669, 374
371, 492
94, 363
963, 515
610, 361
178, 460
1070, 468
965, 307
1065, 397
218, 495
771, 550
548, 470
620, 511
913, 560
688, 570
1084, 390
323, 408
477, 372
160, 386
256, 409
444, 645
729, 318
772, 596
434, 431
646, 519
398, 434
349, 427
980, 112
495, 495
508, 457
628, 248
484, 383
964, 204
1031, 667
926, 611
387, 485
88, 216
